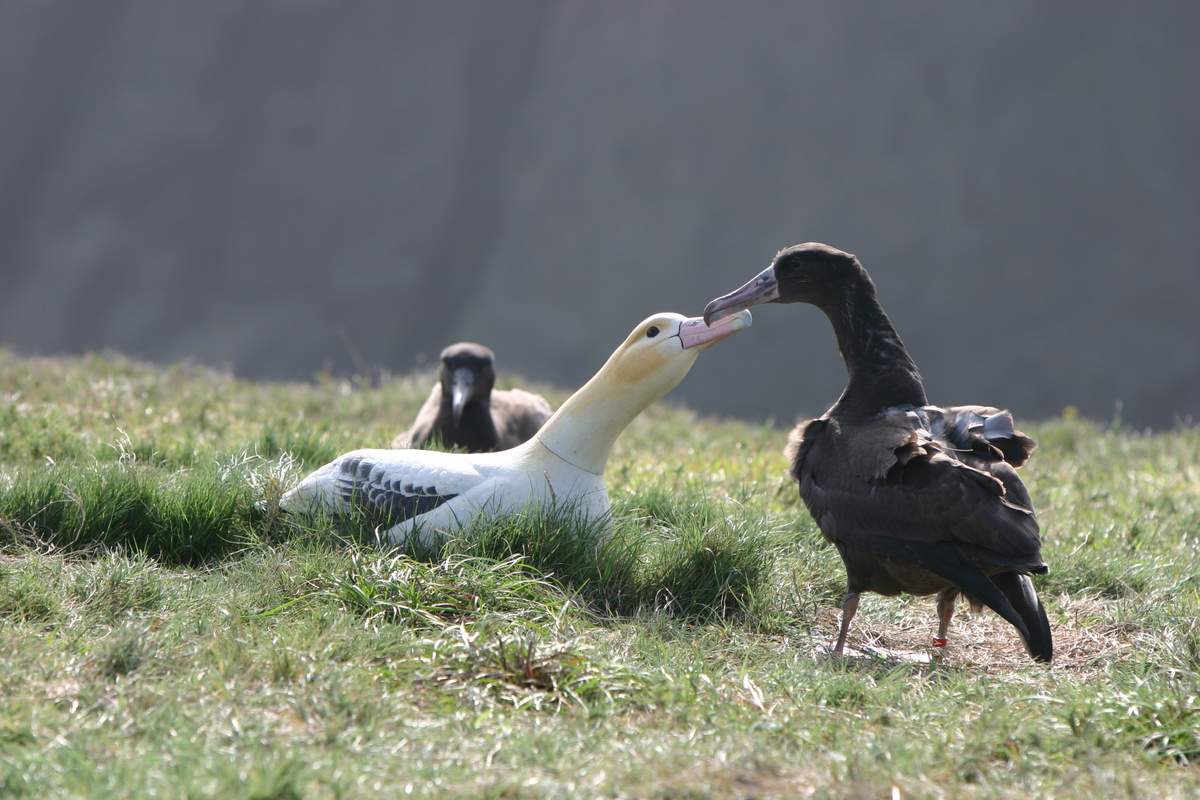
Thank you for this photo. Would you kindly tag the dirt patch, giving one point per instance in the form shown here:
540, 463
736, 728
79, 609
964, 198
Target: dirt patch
1088, 634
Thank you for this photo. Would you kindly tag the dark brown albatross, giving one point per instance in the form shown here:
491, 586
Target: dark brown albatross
464, 412
916, 498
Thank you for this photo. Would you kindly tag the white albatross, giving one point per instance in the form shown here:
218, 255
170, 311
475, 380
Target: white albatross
430, 493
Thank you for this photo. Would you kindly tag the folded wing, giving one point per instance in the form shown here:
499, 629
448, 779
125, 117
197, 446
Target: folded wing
392, 485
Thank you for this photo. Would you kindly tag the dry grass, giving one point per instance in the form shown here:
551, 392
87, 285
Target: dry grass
1089, 634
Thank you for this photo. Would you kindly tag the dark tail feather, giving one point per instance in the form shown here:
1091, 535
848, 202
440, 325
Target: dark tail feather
946, 560
1009, 594
1018, 588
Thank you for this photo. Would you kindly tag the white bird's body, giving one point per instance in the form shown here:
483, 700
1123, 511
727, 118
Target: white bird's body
441, 492
432, 493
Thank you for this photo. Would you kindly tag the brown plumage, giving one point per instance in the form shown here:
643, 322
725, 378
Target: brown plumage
463, 410
916, 498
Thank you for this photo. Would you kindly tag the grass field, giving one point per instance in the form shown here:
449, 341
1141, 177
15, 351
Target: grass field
165, 632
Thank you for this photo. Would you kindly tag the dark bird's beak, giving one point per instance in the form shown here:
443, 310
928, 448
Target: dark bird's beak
461, 385
763, 288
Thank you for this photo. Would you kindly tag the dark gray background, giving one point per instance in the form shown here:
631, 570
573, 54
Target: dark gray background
280, 187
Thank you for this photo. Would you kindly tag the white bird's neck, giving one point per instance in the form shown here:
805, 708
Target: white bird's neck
584, 429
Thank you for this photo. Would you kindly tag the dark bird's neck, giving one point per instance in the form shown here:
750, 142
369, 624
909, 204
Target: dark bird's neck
882, 373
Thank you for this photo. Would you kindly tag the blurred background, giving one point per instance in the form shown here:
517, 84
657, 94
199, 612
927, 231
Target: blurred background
287, 187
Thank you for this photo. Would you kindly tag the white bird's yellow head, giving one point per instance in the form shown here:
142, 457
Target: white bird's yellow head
653, 359
658, 353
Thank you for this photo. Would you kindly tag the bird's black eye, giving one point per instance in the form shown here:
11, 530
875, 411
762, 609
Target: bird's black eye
652, 331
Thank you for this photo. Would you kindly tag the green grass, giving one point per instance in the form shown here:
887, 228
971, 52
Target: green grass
165, 632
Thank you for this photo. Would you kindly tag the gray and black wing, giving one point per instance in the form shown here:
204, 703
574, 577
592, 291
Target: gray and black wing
366, 485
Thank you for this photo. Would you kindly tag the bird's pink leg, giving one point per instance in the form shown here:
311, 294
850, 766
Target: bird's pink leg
849, 609
945, 607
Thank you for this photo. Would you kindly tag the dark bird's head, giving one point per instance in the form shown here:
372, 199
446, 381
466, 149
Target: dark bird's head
804, 273
468, 375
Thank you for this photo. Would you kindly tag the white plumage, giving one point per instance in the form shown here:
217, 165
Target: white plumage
433, 493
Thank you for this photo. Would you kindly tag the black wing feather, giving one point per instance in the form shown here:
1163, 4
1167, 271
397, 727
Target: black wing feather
363, 485
933, 498
1019, 590
947, 561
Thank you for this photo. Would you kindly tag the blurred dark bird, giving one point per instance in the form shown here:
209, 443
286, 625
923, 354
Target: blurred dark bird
464, 412
916, 498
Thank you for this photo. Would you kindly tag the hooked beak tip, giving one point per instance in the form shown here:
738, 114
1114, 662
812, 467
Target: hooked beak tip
763, 288
710, 312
